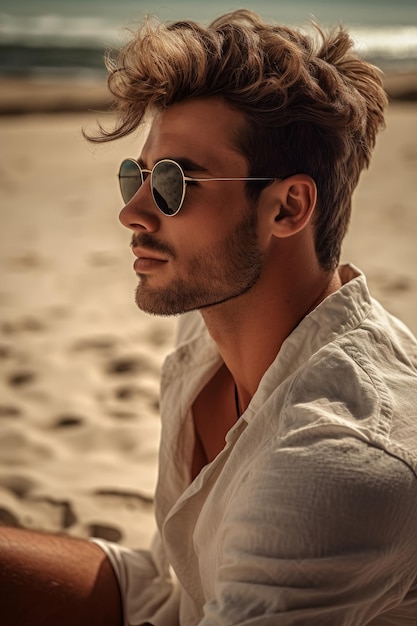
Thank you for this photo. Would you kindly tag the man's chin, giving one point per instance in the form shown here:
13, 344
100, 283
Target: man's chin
155, 305
167, 305
169, 302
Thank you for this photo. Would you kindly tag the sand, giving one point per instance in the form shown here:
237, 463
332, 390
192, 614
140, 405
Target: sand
79, 364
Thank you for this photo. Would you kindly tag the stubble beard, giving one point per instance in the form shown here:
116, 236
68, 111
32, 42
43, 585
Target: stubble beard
217, 274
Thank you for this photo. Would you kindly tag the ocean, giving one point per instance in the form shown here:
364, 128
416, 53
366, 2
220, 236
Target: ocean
58, 38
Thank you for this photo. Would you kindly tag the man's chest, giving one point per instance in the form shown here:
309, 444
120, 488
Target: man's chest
214, 413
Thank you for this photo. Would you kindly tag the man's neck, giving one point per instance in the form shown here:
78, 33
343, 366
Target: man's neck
250, 330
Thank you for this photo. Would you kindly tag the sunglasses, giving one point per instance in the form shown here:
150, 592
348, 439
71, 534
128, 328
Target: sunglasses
168, 183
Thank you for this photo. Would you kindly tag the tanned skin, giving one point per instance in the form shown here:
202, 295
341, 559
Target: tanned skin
55, 580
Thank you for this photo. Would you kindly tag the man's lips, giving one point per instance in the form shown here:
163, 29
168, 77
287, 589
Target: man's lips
146, 260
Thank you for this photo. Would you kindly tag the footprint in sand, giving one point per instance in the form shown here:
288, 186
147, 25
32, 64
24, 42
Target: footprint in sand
28, 261
20, 486
128, 365
25, 324
6, 351
7, 518
98, 344
8, 410
68, 517
22, 378
101, 531
68, 421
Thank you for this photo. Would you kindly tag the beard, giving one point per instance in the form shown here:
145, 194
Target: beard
215, 274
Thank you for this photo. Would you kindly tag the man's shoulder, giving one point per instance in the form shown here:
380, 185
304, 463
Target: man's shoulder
362, 384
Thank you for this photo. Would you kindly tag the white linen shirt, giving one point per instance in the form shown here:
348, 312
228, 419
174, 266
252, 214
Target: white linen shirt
309, 513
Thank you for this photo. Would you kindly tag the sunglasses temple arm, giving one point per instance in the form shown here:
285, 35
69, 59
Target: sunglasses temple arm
202, 180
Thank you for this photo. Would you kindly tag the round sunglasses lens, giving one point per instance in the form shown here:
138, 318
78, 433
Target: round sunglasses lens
168, 187
130, 179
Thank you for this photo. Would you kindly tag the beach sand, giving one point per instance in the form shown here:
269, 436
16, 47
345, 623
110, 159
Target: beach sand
79, 364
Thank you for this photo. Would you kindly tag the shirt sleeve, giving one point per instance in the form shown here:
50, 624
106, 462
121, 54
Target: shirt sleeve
319, 534
148, 591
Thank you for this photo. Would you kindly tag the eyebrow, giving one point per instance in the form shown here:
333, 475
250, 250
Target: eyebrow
187, 164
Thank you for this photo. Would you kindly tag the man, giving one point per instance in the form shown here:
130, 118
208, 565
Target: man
287, 489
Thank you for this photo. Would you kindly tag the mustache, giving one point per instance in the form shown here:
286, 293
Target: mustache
144, 240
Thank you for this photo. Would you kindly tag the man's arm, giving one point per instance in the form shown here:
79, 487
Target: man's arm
322, 533
50, 580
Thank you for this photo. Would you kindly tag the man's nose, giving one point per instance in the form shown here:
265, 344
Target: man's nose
140, 213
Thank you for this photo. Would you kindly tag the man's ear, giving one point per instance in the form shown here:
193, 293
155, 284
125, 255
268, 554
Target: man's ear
296, 199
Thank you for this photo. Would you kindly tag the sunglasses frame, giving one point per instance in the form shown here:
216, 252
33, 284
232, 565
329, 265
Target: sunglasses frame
185, 180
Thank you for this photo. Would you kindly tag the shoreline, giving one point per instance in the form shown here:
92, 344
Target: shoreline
23, 96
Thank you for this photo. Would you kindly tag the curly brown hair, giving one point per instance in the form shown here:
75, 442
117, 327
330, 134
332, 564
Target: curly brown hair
311, 105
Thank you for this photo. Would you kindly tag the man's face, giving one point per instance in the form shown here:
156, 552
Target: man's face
208, 253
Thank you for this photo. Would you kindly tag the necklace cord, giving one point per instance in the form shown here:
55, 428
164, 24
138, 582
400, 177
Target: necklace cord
237, 403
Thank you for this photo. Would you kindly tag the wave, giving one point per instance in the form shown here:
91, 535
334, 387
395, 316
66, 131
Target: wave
57, 43
57, 31
391, 43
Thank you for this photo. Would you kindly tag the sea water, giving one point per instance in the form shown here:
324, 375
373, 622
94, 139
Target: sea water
67, 37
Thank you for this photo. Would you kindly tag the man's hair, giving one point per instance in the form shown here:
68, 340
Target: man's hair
311, 105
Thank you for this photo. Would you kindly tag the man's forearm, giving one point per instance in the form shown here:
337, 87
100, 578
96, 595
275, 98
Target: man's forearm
51, 579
